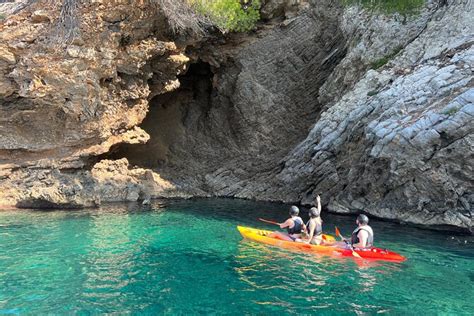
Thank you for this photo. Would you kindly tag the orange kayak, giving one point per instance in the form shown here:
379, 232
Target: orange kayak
263, 236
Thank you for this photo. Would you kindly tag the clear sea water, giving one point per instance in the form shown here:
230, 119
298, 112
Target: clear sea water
186, 257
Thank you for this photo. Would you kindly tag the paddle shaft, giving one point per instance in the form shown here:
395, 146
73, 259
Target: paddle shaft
355, 254
268, 221
275, 223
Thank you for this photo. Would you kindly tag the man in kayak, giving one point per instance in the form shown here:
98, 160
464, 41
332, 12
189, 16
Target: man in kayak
294, 226
315, 225
363, 236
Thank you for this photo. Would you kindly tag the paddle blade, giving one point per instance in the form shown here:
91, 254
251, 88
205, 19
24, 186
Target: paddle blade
338, 233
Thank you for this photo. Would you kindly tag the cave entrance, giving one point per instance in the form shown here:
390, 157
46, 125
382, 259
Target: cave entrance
169, 120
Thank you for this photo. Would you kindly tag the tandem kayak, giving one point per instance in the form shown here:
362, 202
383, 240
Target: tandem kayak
263, 236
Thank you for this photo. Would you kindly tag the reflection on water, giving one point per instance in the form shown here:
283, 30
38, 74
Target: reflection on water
313, 282
186, 257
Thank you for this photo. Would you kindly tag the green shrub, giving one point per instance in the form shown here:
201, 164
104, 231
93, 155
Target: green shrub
372, 93
230, 15
379, 62
451, 111
2, 17
389, 6
385, 59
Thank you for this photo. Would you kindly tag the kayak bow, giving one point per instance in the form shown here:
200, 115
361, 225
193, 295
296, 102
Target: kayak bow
263, 236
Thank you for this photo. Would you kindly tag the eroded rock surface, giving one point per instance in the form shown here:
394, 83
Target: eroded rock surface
373, 111
399, 144
62, 104
244, 106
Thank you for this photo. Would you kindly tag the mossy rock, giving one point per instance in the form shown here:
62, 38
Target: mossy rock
372, 93
389, 6
385, 59
451, 111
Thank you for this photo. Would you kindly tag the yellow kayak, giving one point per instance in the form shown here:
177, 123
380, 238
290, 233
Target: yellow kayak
264, 236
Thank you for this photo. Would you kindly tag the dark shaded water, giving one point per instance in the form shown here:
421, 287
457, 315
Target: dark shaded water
186, 257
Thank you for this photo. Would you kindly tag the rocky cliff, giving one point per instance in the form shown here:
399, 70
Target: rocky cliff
65, 100
373, 111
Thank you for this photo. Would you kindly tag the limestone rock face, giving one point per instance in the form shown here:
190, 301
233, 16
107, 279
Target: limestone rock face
244, 106
372, 111
395, 142
282, 8
399, 143
116, 181
64, 103
371, 38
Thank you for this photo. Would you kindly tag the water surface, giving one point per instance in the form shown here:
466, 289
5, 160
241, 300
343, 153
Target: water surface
186, 257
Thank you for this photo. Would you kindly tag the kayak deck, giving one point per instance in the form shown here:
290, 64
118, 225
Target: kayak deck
263, 236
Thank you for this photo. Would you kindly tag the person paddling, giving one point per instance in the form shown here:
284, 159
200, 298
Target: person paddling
294, 226
315, 224
363, 236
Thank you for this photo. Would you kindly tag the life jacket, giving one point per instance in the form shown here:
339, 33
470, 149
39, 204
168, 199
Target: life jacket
318, 230
297, 227
370, 238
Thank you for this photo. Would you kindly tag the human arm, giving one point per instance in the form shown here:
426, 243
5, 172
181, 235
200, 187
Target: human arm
311, 228
287, 223
318, 201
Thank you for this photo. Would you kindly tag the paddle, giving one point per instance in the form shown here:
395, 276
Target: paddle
338, 234
267, 221
275, 223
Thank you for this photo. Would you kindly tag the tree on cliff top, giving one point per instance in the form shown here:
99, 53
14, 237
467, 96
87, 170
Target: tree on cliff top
230, 15
194, 16
182, 18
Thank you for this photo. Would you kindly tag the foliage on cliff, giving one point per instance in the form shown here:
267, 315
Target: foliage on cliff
230, 15
389, 6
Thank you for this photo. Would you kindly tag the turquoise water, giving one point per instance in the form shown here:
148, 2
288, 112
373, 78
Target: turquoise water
186, 257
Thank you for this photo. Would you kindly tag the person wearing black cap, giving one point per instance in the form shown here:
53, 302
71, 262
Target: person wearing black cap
363, 235
294, 226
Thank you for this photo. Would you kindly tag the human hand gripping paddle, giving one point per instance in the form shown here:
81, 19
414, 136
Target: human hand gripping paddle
325, 237
338, 234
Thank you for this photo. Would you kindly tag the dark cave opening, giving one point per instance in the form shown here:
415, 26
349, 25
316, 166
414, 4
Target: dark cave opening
168, 118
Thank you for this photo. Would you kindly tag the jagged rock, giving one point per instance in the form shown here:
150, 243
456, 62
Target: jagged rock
89, 93
399, 145
285, 113
10, 7
281, 8
117, 182
388, 141
61, 106
108, 181
379, 36
40, 16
